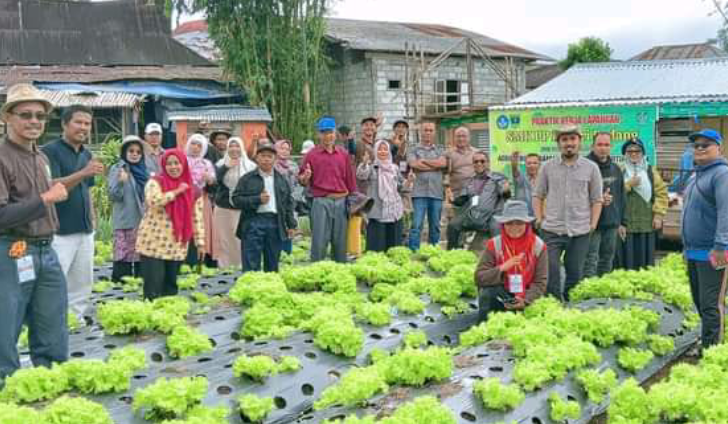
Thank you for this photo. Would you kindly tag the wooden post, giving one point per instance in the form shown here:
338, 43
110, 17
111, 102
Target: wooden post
471, 72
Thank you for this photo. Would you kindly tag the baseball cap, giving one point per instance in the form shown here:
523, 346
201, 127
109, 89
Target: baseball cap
326, 123
266, 145
369, 119
710, 134
400, 121
307, 146
153, 128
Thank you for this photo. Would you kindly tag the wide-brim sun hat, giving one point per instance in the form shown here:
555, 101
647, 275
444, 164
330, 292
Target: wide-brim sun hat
514, 210
307, 146
24, 93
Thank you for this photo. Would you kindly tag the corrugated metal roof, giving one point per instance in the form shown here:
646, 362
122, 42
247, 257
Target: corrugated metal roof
655, 81
374, 36
82, 74
92, 99
682, 51
227, 113
63, 32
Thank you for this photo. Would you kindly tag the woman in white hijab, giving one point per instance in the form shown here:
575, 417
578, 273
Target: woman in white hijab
644, 210
229, 169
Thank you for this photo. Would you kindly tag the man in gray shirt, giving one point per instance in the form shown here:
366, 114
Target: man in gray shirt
428, 162
567, 202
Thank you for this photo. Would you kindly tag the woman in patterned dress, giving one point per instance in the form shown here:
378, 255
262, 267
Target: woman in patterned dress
173, 217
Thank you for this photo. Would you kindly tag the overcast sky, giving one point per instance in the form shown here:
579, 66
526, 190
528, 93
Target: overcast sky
548, 26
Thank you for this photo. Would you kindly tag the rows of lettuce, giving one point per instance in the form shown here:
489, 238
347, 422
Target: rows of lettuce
328, 300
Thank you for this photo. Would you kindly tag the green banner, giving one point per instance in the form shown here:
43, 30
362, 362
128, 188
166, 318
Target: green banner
532, 130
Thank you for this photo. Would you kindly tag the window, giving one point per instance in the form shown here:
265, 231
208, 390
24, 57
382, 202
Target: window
450, 95
395, 84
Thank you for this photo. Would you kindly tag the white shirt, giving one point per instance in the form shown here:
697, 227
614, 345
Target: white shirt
269, 207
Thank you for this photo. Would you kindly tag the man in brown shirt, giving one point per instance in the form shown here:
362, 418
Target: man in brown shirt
32, 285
459, 164
567, 202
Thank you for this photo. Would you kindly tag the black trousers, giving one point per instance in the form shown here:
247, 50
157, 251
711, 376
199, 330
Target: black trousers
262, 240
708, 288
574, 250
381, 236
160, 277
488, 300
123, 269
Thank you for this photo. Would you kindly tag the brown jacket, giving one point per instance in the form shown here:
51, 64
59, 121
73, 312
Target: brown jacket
487, 274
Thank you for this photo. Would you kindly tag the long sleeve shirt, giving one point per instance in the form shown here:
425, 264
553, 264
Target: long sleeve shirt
156, 235
488, 274
24, 176
331, 172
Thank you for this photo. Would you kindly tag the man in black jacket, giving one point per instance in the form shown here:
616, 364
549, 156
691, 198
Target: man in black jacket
603, 240
266, 218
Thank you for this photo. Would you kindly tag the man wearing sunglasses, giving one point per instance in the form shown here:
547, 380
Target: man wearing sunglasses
32, 282
481, 198
705, 233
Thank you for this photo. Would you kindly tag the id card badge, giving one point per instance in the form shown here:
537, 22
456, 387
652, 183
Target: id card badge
26, 270
403, 166
515, 283
474, 201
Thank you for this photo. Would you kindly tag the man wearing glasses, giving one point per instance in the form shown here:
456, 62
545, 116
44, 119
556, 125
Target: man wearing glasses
32, 283
705, 233
482, 197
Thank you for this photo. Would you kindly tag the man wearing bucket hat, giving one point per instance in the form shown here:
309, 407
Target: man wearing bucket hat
33, 285
327, 172
567, 202
705, 233
513, 270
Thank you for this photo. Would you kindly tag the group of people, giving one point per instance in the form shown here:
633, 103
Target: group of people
237, 204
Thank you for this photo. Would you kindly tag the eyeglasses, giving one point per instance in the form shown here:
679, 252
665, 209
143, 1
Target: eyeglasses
475, 162
633, 151
27, 116
134, 152
703, 146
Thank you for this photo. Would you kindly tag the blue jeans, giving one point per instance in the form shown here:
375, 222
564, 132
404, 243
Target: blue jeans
433, 208
262, 239
41, 303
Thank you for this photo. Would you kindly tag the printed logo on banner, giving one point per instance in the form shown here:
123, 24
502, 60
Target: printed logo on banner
503, 122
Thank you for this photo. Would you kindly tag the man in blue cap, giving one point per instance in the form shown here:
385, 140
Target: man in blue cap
327, 171
705, 233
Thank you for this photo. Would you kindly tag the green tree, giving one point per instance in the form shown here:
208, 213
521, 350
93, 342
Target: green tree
588, 49
275, 51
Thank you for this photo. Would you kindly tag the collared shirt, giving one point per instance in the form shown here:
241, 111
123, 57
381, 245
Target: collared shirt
331, 173
24, 176
569, 191
74, 214
459, 167
153, 161
361, 147
427, 183
269, 207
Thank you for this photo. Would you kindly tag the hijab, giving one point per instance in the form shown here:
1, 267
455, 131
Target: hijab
387, 176
138, 170
199, 166
244, 166
644, 190
283, 165
179, 210
513, 247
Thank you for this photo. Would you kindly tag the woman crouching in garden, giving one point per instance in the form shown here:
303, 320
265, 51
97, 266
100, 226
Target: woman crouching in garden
127, 179
513, 270
172, 218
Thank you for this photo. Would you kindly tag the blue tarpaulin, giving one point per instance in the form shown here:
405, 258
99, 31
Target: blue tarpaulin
171, 90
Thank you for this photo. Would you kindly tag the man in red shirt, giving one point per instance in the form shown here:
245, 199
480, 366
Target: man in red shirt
327, 172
